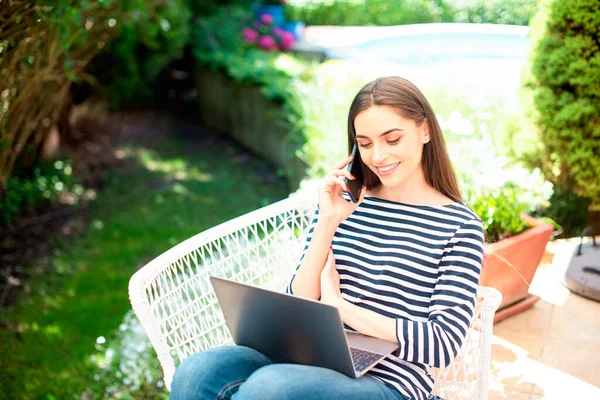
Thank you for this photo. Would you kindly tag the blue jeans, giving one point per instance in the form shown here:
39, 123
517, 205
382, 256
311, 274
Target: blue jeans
241, 373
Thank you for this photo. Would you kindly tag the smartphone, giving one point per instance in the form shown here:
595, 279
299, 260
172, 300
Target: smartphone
355, 168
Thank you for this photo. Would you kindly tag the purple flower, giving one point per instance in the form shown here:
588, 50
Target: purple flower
266, 42
266, 19
287, 40
278, 31
250, 35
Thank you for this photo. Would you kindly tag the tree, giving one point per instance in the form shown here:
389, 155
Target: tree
565, 85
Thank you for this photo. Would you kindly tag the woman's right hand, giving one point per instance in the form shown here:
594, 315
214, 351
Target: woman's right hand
332, 205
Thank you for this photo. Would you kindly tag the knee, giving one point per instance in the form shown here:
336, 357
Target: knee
269, 382
194, 370
198, 373
187, 374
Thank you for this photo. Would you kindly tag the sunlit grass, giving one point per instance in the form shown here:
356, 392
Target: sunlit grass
169, 195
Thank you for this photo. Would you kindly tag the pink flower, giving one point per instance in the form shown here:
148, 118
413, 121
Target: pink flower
266, 19
250, 35
287, 40
278, 31
266, 42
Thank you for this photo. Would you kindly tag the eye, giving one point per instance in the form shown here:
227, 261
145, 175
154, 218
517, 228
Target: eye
365, 145
395, 141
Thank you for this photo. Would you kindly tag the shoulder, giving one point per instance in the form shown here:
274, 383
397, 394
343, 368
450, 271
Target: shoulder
466, 213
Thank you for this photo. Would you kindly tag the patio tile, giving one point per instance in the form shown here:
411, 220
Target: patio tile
577, 358
513, 373
578, 318
549, 351
533, 322
494, 395
508, 370
531, 344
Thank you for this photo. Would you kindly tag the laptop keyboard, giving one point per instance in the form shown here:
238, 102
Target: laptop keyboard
363, 359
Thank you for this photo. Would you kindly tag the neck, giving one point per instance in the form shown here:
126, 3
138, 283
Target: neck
414, 190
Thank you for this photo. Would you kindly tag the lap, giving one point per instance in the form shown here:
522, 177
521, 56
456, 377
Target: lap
295, 381
242, 373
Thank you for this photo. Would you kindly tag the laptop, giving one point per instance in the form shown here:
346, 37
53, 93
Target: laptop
296, 329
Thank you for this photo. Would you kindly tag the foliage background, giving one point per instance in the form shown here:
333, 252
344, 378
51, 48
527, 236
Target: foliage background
564, 83
384, 12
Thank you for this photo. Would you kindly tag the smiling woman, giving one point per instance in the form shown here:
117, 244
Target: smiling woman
402, 264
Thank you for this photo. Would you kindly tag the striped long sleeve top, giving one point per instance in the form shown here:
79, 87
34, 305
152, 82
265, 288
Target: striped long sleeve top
419, 265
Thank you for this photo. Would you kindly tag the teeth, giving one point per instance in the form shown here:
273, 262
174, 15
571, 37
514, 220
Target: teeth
386, 169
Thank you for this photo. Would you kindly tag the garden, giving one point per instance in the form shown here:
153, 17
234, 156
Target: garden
129, 126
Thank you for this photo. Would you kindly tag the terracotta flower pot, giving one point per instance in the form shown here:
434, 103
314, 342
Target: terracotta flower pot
510, 265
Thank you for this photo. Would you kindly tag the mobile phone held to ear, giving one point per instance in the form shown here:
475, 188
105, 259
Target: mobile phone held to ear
355, 168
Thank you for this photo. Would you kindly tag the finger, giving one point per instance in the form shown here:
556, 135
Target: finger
363, 192
330, 260
336, 276
343, 172
341, 181
330, 182
343, 163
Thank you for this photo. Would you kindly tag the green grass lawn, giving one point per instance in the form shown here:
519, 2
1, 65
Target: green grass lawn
174, 189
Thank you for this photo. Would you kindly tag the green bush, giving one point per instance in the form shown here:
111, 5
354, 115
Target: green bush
564, 83
218, 45
43, 186
384, 12
509, 12
153, 33
209, 7
370, 12
568, 210
44, 48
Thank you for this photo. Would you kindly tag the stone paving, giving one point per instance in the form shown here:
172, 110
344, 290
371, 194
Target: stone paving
551, 351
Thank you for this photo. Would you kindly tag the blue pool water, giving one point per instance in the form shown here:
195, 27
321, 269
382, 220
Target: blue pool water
435, 48
484, 64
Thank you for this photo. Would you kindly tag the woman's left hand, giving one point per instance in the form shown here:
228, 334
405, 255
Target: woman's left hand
330, 282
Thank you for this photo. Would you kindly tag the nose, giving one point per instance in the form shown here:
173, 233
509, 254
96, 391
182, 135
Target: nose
378, 155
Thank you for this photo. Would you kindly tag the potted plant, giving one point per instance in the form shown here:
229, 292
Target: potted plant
515, 245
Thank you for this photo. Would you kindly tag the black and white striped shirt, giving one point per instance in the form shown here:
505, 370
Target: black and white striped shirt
419, 265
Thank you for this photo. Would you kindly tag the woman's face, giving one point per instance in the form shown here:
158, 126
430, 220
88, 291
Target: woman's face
389, 144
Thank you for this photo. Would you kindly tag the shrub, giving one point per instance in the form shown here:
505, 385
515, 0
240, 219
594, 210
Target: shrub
218, 45
568, 210
370, 12
565, 72
509, 12
43, 50
384, 12
152, 34
43, 186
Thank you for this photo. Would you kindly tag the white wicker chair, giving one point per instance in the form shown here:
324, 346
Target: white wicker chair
175, 303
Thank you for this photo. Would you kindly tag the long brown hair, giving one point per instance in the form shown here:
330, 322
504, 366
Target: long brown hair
411, 104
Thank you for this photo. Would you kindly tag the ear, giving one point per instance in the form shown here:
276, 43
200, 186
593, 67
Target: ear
426, 136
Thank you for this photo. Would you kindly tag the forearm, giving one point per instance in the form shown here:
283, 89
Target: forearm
422, 347
368, 322
307, 282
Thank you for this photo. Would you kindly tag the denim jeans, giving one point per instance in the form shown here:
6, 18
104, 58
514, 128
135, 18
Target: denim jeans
241, 373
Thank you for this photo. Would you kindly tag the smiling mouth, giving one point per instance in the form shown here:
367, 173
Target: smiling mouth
387, 169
